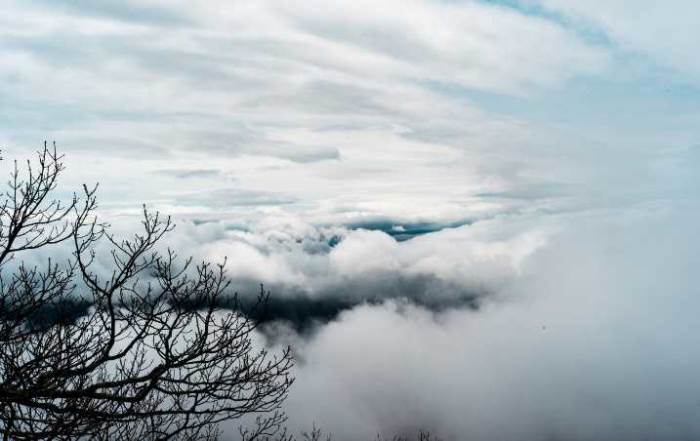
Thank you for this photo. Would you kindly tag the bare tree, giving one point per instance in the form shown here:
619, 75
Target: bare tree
140, 351
316, 434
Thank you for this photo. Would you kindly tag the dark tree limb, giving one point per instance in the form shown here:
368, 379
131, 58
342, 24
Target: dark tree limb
150, 356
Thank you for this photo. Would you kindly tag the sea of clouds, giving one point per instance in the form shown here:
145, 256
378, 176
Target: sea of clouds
570, 326
478, 218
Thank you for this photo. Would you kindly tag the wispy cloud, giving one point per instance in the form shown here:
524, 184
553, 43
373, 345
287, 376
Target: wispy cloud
294, 82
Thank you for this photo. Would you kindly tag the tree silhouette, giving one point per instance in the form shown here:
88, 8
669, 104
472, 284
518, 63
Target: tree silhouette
137, 351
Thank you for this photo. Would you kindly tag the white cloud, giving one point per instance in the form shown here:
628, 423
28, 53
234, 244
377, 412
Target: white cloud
664, 32
339, 104
598, 341
365, 252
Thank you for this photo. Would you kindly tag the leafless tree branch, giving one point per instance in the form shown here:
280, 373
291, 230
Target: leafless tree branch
150, 355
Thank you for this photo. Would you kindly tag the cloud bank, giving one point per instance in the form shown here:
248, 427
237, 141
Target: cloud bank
598, 340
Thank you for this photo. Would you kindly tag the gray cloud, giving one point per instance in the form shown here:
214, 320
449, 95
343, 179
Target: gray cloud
127, 11
229, 198
272, 82
186, 174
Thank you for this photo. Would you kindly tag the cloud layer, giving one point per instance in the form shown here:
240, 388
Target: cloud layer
477, 217
597, 341
322, 104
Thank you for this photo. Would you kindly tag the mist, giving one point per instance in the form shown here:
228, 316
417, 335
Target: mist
597, 339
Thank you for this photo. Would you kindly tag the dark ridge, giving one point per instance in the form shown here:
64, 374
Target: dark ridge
334, 240
60, 312
302, 311
304, 314
405, 231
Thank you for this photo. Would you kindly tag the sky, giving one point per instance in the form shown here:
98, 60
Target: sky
476, 217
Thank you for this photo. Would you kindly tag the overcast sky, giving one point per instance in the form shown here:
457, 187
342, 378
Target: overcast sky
501, 196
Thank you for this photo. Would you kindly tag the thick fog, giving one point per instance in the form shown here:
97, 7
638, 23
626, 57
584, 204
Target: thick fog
583, 325
597, 339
